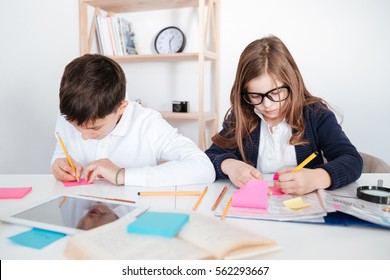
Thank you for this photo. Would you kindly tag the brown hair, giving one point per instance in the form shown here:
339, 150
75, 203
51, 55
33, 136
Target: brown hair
92, 87
269, 56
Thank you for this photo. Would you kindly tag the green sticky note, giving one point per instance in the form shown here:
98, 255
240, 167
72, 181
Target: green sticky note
36, 238
159, 223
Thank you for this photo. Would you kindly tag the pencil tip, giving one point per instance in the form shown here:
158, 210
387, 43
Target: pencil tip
138, 193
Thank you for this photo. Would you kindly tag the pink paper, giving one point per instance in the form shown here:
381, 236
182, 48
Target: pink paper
254, 194
81, 182
337, 207
10, 193
276, 191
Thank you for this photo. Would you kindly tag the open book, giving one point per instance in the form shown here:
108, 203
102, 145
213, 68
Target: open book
201, 238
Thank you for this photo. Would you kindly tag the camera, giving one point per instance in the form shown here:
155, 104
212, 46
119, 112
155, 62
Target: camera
180, 106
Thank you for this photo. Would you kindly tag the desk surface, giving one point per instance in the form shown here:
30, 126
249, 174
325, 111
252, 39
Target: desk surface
298, 241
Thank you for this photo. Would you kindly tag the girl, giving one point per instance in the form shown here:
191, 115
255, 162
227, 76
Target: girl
274, 123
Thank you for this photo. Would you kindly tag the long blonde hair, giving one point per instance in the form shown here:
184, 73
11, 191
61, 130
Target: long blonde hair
269, 56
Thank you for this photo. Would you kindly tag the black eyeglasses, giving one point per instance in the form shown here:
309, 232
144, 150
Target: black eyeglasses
278, 94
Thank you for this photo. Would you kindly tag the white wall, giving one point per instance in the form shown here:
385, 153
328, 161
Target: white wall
341, 47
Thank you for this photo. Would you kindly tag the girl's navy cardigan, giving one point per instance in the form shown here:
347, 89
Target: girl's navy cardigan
324, 134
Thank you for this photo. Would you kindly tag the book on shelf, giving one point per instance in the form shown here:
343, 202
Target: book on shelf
202, 237
115, 36
128, 37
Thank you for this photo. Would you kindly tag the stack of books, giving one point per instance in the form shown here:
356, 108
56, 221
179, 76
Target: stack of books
115, 36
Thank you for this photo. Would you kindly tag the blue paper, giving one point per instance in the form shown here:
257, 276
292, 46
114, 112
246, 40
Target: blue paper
158, 223
36, 238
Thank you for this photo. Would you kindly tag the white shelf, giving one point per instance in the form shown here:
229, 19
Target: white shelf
208, 18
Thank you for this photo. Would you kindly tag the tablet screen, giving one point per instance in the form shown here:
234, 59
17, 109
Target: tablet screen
72, 214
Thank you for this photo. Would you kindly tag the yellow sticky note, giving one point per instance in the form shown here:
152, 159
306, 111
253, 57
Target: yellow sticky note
296, 203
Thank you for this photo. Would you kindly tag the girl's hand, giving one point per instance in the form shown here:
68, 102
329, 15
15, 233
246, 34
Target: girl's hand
239, 172
63, 172
103, 168
303, 181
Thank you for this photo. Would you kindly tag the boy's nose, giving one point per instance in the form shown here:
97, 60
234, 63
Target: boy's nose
86, 135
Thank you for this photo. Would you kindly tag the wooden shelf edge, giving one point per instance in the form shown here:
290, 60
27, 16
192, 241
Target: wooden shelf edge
206, 116
174, 57
123, 6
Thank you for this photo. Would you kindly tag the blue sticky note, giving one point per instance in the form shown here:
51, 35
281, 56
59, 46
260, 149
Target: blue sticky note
159, 223
36, 238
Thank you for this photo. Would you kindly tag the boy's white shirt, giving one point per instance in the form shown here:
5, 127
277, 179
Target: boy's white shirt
140, 141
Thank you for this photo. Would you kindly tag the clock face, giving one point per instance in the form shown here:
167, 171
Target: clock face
170, 40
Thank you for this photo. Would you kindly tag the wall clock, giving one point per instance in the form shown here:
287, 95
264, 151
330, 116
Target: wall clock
170, 40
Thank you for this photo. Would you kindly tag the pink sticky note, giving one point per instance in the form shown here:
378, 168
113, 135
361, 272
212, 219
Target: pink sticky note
82, 182
276, 191
337, 207
10, 193
254, 194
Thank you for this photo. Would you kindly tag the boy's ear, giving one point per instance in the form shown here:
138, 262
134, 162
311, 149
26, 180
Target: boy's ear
123, 106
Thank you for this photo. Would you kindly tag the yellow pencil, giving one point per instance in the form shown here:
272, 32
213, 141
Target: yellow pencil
219, 198
306, 161
67, 156
200, 199
226, 209
185, 193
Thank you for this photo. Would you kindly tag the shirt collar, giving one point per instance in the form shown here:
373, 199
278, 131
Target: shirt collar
124, 124
282, 124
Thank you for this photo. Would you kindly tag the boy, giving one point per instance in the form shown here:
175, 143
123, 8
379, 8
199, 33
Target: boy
113, 138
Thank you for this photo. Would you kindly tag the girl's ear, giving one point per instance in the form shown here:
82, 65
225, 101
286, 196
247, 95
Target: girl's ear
123, 106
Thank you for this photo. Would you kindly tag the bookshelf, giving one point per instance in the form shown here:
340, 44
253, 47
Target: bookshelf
208, 51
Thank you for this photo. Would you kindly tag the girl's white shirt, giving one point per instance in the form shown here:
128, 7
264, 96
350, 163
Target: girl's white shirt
275, 152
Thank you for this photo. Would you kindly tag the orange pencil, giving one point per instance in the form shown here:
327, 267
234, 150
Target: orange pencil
183, 193
219, 198
226, 209
67, 156
109, 198
200, 199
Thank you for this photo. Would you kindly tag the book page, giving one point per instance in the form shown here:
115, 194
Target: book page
223, 240
112, 241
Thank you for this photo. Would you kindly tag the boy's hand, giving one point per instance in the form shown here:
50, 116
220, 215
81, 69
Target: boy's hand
103, 168
239, 172
63, 172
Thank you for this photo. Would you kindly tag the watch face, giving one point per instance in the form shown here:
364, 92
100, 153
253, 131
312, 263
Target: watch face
170, 40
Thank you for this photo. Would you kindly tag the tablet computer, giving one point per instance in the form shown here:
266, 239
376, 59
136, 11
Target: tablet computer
73, 214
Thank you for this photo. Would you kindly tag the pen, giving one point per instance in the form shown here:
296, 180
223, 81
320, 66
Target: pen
200, 199
67, 156
108, 198
306, 161
219, 198
226, 209
185, 193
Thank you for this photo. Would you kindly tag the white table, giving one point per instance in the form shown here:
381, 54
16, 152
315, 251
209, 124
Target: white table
298, 241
